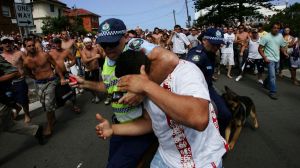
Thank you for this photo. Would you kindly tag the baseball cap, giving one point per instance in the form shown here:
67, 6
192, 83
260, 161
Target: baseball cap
6, 38
214, 36
87, 40
111, 31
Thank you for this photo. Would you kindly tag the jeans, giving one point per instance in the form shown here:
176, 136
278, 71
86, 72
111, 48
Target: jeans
158, 162
79, 65
270, 81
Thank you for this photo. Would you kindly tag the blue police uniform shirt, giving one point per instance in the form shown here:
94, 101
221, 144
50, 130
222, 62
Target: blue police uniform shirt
206, 63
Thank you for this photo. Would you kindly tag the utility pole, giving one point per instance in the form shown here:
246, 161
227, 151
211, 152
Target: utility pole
174, 17
188, 16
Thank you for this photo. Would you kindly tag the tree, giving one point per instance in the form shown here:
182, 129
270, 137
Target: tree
58, 24
225, 12
55, 24
288, 17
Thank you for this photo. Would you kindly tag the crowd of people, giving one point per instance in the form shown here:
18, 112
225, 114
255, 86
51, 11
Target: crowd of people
170, 101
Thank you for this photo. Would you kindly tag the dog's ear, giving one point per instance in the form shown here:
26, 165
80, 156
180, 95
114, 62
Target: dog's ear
230, 92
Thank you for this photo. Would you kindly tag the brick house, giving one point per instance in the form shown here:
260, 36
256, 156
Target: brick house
7, 17
90, 19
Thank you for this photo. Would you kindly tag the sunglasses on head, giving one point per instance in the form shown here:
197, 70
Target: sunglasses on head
109, 45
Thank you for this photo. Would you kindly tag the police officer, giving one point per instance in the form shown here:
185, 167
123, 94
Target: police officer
125, 151
7, 73
204, 57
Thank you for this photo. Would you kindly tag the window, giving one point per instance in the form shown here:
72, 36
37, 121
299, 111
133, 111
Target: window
59, 12
51, 8
6, 11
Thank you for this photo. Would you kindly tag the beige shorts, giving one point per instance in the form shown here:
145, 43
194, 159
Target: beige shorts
46, 93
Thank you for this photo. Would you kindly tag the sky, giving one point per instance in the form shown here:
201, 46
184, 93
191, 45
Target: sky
146, 14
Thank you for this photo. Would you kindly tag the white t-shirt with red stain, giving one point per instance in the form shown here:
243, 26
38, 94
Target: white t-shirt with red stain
179, 145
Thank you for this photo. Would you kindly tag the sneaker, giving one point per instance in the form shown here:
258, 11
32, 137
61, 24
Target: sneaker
39, 135
273, 96
96, 100
107, 101
239, 78
260, 82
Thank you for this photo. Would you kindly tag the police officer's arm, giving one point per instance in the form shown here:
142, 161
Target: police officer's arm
85, 84
138, 127
187, 110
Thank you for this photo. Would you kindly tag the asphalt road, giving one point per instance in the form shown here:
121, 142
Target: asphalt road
74, 143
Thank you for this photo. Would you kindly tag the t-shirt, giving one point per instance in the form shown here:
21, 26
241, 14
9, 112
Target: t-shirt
262, 34
228, 46
179, 145
5, 68
179, 41
272, 45
253, 49
193, 40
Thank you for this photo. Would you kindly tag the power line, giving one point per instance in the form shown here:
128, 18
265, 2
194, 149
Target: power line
141, 12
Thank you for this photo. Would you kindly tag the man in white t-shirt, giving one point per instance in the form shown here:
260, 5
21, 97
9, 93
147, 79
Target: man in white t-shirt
193, 37
227, 57
179, 113
179, 42
254, 59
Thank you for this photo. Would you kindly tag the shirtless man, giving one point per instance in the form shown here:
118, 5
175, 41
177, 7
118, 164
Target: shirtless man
19, 85
90, 56
67, 43
38, 65
242, 38
60, 55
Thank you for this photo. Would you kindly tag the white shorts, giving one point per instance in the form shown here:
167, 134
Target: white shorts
227, 59
295, 63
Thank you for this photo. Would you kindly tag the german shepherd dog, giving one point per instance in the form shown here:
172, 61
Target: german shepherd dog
241, 108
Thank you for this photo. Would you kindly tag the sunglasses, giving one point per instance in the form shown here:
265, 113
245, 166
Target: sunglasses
109, 45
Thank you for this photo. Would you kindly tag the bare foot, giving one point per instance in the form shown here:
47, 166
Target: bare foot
48, 131
76, 109
296, 83
27, 119
229, 76
231, 146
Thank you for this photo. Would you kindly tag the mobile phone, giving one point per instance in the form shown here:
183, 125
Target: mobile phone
72, 79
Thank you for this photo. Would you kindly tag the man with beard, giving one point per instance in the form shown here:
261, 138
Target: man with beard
60, 55
38, 65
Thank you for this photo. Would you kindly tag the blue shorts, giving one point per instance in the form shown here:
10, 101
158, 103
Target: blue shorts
20, 91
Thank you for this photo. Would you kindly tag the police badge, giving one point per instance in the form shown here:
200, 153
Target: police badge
106, 27
136, 44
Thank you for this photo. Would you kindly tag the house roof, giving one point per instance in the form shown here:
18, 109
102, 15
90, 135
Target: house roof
80, 12
58, 2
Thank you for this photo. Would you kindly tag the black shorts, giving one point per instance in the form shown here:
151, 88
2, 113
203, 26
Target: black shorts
92, 75
251, 63
20, 92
